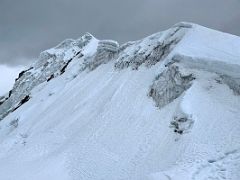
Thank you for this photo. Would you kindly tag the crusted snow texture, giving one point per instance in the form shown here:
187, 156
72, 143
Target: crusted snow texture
152, 49
51, 63
169, 85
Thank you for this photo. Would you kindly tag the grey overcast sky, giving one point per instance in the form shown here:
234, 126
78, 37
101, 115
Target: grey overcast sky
29, 26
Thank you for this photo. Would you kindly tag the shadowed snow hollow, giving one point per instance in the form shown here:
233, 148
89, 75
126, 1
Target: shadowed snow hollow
164, 107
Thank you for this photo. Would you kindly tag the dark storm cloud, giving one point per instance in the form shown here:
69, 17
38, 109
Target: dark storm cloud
30, 26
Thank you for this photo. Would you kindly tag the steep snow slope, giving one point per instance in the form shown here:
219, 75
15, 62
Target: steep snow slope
164, 107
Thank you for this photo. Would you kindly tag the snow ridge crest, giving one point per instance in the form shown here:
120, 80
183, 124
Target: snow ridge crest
87, 52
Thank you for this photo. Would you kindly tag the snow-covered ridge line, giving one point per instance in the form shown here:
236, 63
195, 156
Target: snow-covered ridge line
54, 62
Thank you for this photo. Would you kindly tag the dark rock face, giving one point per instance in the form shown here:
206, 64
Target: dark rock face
15, 107
2, 99
65, 66
50, 78
22, 73
169, 85
181, 124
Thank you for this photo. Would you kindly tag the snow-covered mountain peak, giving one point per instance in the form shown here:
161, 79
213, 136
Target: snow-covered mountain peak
163, 107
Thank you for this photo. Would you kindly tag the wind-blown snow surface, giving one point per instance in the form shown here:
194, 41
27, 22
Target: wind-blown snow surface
98, 120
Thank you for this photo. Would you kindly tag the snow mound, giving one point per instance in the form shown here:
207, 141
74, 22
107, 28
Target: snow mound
164, 107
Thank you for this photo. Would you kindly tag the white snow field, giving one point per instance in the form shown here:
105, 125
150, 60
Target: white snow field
166, 107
